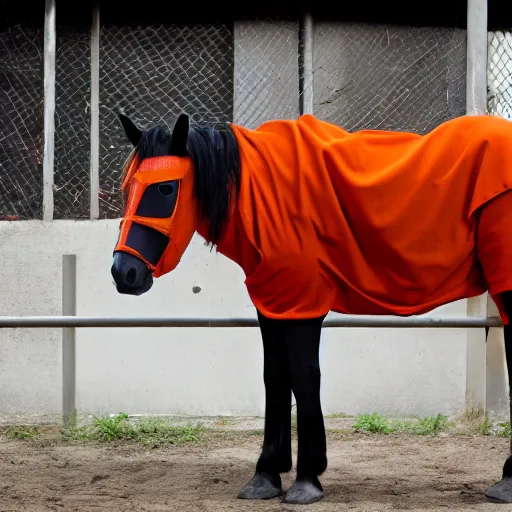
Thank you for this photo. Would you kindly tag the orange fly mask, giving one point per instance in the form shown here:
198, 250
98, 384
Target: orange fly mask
159, 215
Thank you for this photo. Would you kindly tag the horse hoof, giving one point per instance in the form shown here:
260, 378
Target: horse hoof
304, 492
500, 492
261, 486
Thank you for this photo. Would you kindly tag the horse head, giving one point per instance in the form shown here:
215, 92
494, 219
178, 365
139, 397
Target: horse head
160, 216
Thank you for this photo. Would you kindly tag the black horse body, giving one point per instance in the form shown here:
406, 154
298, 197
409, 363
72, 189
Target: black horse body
290, 347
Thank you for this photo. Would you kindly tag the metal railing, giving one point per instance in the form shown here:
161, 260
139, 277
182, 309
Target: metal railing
360, 321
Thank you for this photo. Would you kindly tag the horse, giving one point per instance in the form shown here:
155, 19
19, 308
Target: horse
321, 219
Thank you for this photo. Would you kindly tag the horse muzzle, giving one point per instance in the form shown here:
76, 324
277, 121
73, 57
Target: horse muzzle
131, 275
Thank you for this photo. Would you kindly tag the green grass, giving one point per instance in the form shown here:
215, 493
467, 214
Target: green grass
427, 426
154, 432
158, 432
22, 432
485, 427
506, 429
374, 423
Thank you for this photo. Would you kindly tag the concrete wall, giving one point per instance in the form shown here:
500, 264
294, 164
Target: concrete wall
192, 371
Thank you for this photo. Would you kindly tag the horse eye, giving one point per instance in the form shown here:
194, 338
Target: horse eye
166, 189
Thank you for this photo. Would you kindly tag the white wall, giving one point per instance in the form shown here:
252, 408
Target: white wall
192, 371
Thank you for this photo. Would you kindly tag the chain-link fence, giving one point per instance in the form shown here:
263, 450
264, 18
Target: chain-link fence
499, 74
266, 83
153, 73
72, 122
388, 77
21, 121
246, 71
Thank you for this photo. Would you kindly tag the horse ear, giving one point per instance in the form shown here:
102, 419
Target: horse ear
180, 136
132, 132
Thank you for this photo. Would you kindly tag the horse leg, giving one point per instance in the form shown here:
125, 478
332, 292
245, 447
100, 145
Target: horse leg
501, 492
302, 340
276, 454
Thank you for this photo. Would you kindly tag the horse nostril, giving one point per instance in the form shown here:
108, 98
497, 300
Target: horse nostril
131, 275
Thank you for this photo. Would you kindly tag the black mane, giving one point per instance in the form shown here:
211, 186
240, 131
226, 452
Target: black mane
214, 153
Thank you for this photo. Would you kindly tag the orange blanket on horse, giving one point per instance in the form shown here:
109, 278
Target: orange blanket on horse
370, 222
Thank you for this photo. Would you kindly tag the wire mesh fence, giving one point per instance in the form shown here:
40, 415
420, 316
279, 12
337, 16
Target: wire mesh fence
499, 74
266, 81
153, 73
72, 119
245, 71
388, 77
21, 121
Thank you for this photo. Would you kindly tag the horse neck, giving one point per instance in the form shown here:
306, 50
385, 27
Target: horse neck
230, 228
234, 243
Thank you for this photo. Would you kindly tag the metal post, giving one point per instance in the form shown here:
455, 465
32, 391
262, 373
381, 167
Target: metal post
68, 341
496, 375
49, 107
307, 64
476, 104
476, 74
95, 123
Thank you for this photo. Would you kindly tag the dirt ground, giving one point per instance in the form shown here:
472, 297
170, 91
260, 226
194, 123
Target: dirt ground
366, 473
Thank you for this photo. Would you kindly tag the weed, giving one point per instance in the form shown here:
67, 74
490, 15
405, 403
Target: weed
22, 432
153, 432
485, 427
116, 427
427, 426
432, 425
77, 433
506, 429
472, 412
159, 432
372, 423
